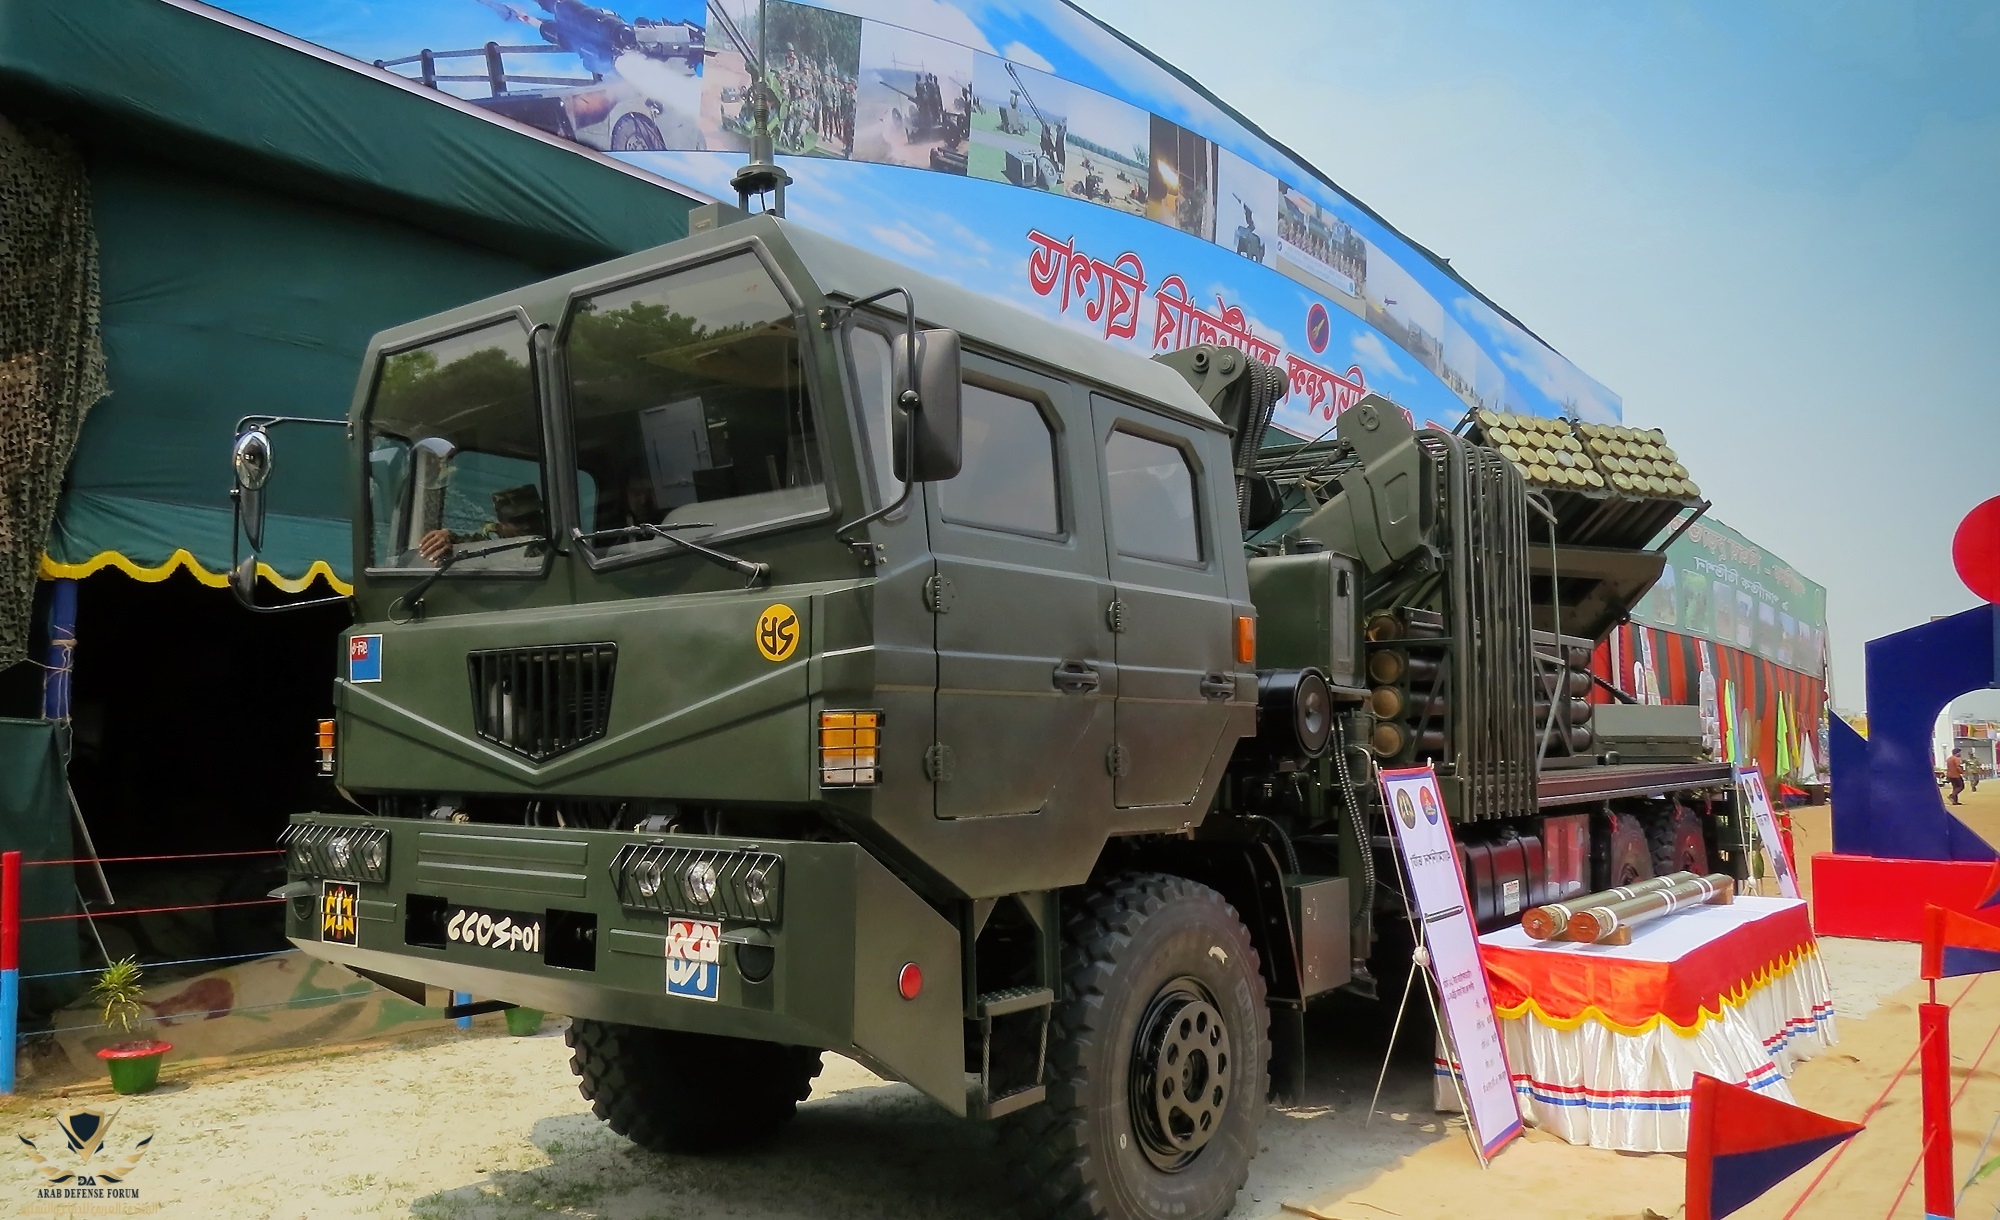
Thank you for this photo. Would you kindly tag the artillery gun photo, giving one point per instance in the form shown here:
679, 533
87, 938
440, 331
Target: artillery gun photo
1249, 242
825, 657
1041, 169
929, 119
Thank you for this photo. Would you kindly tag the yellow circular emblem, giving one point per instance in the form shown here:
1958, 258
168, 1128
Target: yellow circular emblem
777, 632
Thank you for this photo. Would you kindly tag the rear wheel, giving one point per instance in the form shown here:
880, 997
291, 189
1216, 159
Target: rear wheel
1158, 1059
1619, 852
636, 133
1677, 843
670, 1091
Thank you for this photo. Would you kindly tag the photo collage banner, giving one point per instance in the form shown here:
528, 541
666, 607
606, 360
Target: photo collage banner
1016, 147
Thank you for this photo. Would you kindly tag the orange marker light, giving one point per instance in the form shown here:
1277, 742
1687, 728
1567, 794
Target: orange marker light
1246, 640
326, 747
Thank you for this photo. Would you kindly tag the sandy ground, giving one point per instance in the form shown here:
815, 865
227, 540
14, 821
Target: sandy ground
486, 1127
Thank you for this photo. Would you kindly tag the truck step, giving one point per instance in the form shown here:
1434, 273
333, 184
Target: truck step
1011, 999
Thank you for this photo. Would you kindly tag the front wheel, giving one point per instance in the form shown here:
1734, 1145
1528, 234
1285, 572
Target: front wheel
1158, 1060
672, 1091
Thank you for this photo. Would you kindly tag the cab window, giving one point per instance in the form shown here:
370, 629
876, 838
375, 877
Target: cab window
1153, 509
454, 453
689, 407
1008, 477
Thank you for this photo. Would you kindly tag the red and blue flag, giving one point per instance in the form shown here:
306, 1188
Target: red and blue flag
1991, 895
1958, 944
1741, 1144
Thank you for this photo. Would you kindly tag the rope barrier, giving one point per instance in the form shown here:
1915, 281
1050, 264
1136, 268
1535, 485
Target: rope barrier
308, 1002
1867, 1114
185, 961
198, 855
194, 906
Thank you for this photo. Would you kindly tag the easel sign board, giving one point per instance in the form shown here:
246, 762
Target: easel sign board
1444, 913
1751, 784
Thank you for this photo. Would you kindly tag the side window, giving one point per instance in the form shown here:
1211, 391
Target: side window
1008, 480
1153, 508
874, 378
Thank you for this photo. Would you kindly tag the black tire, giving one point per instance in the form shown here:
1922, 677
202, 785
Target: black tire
636, 133
1148, 958
1677, 843
1619, 853
670, 1091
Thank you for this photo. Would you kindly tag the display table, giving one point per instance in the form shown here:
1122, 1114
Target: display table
1604, 1040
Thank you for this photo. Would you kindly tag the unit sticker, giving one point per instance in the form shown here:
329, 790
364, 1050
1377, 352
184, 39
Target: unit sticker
364, 658
777, 632
514, 931
339, 913
694, 958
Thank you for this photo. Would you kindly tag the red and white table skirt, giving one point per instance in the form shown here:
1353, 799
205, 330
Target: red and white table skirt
1603, 1041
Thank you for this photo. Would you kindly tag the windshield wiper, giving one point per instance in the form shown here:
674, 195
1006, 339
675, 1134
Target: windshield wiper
413, 599
646, 529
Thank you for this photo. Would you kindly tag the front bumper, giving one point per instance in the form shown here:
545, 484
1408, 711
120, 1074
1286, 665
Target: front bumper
816, 962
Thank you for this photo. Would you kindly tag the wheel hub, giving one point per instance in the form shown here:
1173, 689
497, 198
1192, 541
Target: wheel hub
1180, 1075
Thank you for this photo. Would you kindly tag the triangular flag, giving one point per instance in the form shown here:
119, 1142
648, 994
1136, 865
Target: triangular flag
1957, 944
1741, 1144
1990, 896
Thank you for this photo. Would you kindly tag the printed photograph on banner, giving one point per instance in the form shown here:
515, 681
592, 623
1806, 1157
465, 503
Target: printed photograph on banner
1182, 180
1472, 374
1321, 250
913, 104
1020, 125
1246, 204
813, 67
1106, 160
580, 73
1398, 306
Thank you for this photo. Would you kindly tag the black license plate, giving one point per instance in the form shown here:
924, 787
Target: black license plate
512, 931
339, 914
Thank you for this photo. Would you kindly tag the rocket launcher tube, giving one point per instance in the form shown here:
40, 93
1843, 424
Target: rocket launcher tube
1548, 921
1611, 924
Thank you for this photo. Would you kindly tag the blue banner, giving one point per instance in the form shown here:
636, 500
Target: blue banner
1018, 148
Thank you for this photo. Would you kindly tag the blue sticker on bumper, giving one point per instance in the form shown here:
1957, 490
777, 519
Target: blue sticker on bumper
694, 959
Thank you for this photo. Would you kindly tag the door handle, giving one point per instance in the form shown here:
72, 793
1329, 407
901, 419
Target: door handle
1218, 686
1076, 678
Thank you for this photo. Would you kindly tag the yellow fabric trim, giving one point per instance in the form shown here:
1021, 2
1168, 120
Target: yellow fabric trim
181, 559
1703, 1015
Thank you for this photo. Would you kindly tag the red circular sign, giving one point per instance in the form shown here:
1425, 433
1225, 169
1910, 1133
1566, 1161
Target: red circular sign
1319, 327
1975, 550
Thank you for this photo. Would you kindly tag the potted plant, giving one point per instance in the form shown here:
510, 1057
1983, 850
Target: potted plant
134, 1063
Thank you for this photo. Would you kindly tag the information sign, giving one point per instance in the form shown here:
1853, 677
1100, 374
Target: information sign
1751, 784
1444, 917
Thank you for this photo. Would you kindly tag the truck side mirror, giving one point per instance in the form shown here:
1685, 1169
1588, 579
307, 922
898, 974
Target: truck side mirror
251, 456
927, 444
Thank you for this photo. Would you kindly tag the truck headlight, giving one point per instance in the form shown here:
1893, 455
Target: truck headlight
700, 882
337, 853
707, 883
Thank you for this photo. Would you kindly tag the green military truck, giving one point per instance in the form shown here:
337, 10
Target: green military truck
762, 648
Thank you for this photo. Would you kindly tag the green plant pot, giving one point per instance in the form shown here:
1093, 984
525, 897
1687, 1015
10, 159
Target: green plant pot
523, 1021
135, 1066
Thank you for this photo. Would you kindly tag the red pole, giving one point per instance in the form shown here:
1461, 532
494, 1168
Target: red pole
1940, 1186
10, 911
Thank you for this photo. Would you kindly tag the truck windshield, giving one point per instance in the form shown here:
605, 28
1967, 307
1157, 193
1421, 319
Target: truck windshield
454, 453
688, 399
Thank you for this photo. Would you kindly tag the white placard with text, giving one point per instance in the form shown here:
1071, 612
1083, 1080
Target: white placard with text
1751, 784
1437, 888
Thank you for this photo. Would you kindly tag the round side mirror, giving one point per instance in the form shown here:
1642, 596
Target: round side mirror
251, 456
243, 580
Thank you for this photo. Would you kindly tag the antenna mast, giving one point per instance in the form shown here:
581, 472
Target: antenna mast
761, 175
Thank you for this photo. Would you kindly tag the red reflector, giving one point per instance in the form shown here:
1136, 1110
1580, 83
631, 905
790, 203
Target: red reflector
910, 980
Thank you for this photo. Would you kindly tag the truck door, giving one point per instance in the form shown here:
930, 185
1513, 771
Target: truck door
1175, 643
1025, 673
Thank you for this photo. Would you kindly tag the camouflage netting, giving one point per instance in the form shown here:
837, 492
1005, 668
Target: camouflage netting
51, 355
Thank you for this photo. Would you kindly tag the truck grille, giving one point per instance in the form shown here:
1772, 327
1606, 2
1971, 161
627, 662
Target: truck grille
544, 701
